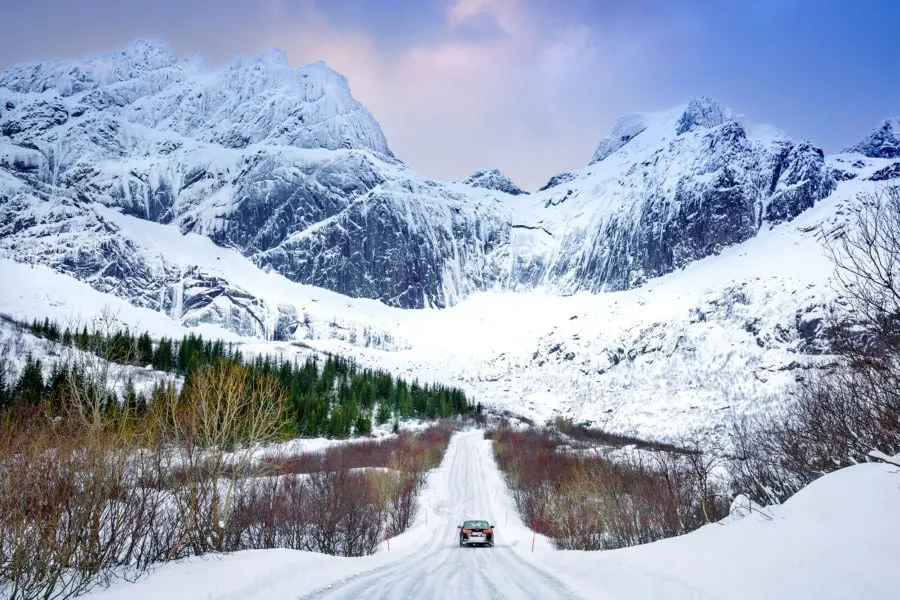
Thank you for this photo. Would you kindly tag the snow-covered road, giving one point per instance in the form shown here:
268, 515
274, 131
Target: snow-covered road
467, 485
834, 540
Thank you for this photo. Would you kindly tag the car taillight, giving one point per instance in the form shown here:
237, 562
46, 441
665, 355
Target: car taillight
487, 530
467, 531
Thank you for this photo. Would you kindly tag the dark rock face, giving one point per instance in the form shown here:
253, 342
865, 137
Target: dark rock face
373, 249
271, 209
732, 188
882, 142
558, 179
493, 180
799, 179
887, 173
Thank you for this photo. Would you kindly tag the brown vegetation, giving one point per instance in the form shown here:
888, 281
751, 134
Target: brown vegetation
93, 495
586, 501
843, 413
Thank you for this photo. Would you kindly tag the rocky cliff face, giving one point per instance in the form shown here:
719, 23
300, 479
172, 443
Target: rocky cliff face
669, 188
882, 142
286, 167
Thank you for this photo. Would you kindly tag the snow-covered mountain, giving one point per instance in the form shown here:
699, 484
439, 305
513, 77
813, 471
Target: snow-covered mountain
493, 179
282, 164
663, 190
675, 278
287, 167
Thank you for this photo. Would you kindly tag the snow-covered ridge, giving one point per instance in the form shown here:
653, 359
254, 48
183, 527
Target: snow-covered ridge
249, 100
493, 179
285, 166
881, 142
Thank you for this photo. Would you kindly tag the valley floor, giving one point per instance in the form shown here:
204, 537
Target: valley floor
835, 539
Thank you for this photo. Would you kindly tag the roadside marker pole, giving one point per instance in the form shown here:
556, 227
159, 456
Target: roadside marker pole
533, 534
387, 535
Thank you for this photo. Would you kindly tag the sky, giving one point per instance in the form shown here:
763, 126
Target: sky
526, 86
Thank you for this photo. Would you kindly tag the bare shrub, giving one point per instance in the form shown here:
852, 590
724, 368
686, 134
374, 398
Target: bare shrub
588, 501
224, 407
94, 372
839, 414
71, 514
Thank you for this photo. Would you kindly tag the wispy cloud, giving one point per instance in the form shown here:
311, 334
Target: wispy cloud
528, 86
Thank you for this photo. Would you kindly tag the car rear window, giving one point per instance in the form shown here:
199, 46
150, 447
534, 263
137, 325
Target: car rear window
476, 525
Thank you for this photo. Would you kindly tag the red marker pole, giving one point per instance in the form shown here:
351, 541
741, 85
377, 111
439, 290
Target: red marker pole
387, 535
533, 533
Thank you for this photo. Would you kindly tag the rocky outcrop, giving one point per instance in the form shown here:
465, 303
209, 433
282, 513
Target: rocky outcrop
882, 142
493, 179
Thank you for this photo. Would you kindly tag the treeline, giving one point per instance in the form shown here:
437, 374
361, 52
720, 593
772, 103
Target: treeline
331, 397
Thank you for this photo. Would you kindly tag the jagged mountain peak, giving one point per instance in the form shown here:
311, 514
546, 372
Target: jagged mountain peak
249, 100
72, 76
702, 113
625, 129
698, 114
881, 142
493, 179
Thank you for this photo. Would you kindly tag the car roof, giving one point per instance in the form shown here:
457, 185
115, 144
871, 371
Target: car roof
476, 521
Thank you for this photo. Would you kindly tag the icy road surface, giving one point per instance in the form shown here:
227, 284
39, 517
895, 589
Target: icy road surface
466, 486
834, 540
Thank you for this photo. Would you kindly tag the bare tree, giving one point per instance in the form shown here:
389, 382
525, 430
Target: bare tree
844, 412
217, 424
97, 370
866, 256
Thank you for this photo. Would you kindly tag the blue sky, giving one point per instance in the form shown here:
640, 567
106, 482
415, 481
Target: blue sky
528, 86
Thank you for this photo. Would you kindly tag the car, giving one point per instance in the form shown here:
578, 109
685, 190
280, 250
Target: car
476, 533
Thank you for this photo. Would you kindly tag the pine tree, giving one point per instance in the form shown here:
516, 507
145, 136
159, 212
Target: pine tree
83, 339
53, 331
363, 424
58, 387
163, 357
30, 389
145, 349
4, 390
384, 413
131, 398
